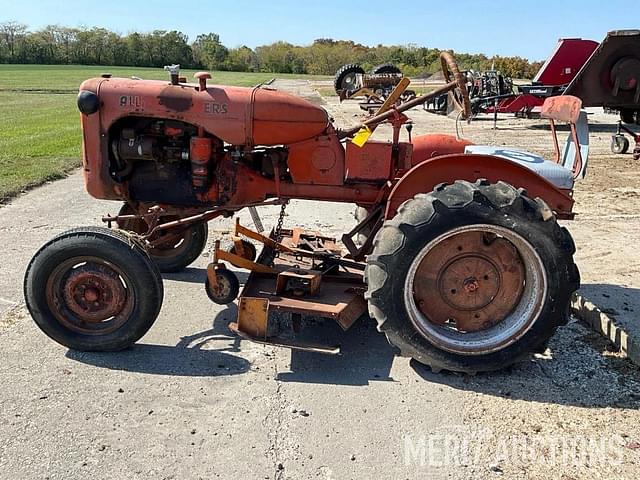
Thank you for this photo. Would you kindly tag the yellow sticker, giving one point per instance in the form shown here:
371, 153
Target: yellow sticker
362, 136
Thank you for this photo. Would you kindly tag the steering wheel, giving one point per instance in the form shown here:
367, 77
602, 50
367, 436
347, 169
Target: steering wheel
459, 94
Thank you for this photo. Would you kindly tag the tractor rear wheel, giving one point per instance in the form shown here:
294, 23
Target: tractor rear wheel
386, 68
93, 289
345, 78
178, 251
471, 277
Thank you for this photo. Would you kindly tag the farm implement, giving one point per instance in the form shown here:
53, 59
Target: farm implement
352, 82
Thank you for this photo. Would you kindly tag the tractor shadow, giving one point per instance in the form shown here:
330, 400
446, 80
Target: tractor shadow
192, 356
365, 355
199, 276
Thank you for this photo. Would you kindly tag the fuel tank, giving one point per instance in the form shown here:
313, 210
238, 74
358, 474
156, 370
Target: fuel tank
237, 115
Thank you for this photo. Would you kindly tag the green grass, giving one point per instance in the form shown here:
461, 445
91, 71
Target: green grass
40, 130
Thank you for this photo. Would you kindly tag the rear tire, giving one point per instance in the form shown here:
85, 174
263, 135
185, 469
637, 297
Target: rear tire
499, 318
386, 68
628, 116
345, 78
93, 289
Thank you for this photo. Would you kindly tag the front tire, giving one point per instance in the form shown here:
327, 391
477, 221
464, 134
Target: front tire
93, 289
471, 277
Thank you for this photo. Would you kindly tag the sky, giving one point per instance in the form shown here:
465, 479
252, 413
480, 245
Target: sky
529, 28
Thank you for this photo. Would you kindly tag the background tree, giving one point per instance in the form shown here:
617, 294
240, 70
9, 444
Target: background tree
55, 44
209, 52
12, 34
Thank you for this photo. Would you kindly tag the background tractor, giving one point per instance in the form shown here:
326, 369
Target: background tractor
351, 81
462, 262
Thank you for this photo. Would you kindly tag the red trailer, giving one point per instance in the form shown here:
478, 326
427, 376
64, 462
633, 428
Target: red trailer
553, 77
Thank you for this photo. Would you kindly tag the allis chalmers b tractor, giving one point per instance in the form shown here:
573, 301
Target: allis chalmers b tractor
463, 264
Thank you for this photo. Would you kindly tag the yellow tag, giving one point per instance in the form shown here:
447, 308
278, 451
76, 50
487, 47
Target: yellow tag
362, 136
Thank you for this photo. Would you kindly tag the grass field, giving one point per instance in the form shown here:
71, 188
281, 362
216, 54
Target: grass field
39, 122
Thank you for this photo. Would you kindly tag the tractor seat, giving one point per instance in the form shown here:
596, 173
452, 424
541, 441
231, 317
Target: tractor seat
555, 173
571, 163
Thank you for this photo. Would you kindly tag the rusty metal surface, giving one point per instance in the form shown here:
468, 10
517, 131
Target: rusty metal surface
370, 163
88, 296
459, 94
611, 75
565, 108
337, 297
241, 262
470, 281
298, 282
377, 119
253, 316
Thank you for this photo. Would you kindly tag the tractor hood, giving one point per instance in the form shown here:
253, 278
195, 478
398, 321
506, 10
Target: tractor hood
237, 115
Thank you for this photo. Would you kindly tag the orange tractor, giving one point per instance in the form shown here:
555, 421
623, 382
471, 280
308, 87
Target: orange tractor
457, 255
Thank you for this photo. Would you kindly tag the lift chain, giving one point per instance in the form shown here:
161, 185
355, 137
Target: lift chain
277, 232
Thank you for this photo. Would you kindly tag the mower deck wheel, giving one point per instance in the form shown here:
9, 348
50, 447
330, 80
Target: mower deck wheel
249, 250
227, 288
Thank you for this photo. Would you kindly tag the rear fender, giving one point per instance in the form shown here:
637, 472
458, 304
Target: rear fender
423, 178
435, 145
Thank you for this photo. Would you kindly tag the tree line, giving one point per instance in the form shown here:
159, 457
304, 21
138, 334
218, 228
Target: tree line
55, 44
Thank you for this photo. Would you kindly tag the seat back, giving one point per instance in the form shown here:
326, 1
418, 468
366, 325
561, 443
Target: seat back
567, 108
569, 153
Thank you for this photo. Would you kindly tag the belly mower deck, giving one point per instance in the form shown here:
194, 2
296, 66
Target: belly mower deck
303, 274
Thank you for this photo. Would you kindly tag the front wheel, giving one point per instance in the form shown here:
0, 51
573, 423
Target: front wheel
93, 289
471, 277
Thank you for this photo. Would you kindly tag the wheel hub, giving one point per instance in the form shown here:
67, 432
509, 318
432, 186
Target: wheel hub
94, 292
221, 288
469, 282
89, 295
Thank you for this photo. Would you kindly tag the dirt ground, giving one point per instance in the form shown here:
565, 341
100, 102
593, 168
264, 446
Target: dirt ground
193, 401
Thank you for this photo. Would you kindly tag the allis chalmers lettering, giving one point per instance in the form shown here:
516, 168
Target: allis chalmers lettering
215, 108
130, 101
